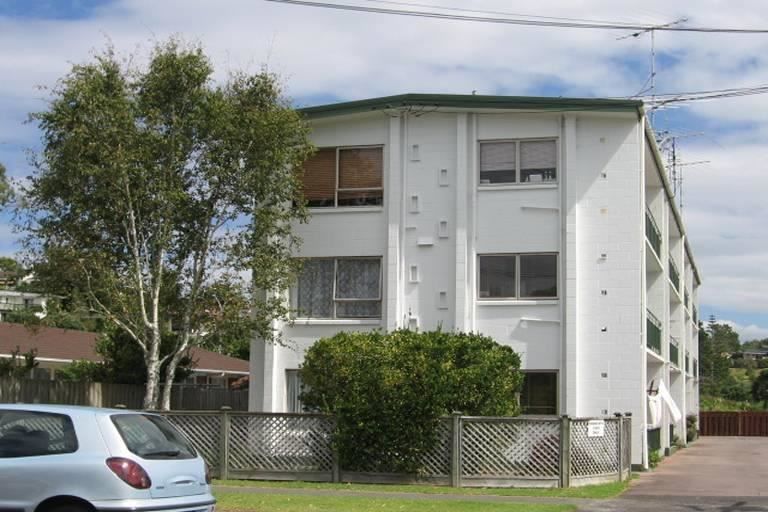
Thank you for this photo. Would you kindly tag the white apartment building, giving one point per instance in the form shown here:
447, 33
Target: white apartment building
545, 223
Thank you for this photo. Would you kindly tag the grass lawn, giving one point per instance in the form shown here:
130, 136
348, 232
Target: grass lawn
241, 502
591, 491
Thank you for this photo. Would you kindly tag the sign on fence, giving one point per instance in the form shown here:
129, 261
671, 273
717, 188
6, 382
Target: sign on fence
596, 428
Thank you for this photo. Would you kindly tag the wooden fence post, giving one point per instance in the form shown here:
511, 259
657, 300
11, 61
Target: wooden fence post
565, 451
628, 419
619, 443
224, 443
456, 441
335, 465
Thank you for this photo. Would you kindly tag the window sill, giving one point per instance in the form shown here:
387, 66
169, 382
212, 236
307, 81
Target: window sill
336, 321
517, 186
346, 209
516, 302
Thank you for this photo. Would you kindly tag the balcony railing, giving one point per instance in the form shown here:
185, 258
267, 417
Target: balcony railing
687, 362
695, 316
653, 333
674, 275
695, 367
10, 306
687, 298
652, 232
674, 354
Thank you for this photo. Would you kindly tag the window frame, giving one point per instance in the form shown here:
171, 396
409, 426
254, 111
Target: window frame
518, 169
518, 276
336, 188
295, 374
334, 299
556, 373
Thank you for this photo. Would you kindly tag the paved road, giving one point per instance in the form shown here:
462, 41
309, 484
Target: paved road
725, 474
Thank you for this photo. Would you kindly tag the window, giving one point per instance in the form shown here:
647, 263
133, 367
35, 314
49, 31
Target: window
518, 276
28, 433
340, 288
293, 389
344, 177
520, 161
152, 437
539, 393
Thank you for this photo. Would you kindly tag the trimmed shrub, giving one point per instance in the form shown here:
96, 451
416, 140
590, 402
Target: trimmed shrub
388, 391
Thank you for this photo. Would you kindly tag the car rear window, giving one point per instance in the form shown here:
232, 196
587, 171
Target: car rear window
152, 437
32, 433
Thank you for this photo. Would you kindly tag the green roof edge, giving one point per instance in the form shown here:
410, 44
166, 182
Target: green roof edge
472, 101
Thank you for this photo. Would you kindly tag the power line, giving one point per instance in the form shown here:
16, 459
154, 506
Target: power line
519, 21
502, 13
661, 100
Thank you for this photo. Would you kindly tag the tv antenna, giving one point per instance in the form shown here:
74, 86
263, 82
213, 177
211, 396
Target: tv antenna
650, 83
668, 143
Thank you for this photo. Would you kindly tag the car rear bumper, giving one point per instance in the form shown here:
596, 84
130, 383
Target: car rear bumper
196, 503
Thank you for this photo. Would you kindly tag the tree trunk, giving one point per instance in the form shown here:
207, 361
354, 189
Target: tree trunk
170, 375
153, 380
152, 360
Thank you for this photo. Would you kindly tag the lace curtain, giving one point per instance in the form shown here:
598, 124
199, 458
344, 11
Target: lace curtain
315, 289
358, 279
358, 288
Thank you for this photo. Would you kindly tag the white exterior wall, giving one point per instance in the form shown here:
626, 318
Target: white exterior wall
594, 218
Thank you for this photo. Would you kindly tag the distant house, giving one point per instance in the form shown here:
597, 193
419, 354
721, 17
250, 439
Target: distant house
57, 348
755, 354
8, 279
12, 300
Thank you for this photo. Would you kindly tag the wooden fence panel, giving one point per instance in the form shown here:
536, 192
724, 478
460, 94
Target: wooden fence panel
102, 394
739, 423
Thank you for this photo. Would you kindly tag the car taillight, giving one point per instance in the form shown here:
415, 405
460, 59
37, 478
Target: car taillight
129, 472
207, 473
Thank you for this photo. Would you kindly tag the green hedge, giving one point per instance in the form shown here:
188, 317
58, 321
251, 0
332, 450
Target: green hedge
388, 390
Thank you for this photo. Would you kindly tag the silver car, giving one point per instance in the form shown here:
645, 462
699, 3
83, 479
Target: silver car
56, 458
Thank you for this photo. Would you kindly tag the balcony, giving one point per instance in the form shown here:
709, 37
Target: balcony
11, 306
674, 353
695, 316
695, 367
652, 232
674, 274
687, 298
687, 362
653, 333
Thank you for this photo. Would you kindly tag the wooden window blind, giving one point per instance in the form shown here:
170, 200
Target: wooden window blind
344, 177
319, 180
360, 176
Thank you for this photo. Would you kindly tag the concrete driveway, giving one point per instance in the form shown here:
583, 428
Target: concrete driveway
727, 474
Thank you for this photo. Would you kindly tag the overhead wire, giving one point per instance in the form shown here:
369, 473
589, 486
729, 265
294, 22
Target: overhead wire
519, 21
502, 13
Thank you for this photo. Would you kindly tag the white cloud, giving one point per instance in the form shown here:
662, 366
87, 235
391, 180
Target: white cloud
351, 56
747, 332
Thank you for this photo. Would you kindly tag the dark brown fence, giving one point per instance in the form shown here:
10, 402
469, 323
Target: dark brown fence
98, 394
741, 423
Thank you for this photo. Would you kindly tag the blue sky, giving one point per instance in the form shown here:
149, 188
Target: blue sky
327, 56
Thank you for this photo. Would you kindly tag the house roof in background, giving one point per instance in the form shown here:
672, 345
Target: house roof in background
68, 345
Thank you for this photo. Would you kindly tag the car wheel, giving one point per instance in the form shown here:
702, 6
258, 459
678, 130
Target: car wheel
68, 507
